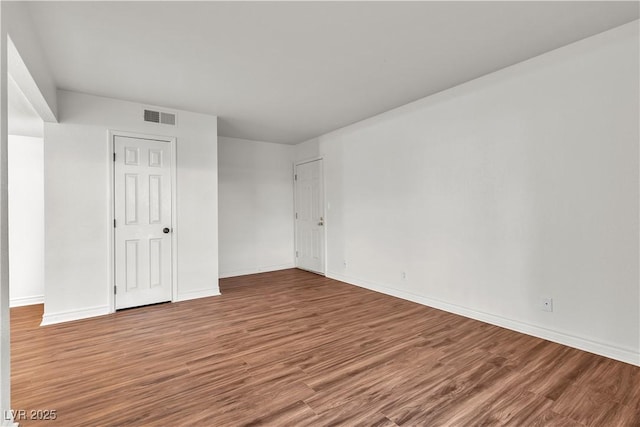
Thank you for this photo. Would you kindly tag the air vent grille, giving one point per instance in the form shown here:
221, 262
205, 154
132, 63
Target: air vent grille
151, 116
168, 119
159, 117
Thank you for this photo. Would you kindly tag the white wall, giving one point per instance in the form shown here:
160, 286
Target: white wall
255, 206
308, 150
26, 220
77, 157
5, 339
516, 186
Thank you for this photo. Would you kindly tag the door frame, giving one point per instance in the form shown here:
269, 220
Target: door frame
324, 212
112, 205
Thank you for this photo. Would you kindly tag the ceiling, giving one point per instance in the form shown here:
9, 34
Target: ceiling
22, 118
289, 71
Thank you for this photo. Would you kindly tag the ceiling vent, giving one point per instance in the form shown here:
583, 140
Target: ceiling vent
161, 117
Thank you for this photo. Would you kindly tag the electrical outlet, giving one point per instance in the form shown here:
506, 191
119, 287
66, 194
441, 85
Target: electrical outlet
403, 275
546, 304
344, 263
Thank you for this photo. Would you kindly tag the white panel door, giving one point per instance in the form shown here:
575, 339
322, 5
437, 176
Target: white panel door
309, 216
142, 182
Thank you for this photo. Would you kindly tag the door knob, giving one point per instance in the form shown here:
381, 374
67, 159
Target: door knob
166, 230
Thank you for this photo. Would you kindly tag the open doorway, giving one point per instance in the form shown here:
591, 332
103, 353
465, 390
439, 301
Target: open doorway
16, 79
26, 198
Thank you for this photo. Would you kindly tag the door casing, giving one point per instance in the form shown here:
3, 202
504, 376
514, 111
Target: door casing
111, 214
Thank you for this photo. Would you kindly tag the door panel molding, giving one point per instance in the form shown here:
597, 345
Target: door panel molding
111, 135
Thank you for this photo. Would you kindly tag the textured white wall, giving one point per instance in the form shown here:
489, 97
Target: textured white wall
77, 156
255, 206
520, 185
26, 220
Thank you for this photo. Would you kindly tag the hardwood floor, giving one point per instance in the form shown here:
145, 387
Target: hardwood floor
291, 348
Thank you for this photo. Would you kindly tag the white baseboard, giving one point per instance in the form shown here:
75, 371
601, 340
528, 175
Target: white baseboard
204, 293
254, 270
22, 301
67, 316
622, 354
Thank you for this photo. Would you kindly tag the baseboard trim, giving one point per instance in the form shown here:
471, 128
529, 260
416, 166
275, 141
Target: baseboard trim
613, 352
21, 302
255, 270
186, 296
68, 316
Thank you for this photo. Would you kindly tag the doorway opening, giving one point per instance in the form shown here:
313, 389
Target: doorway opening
25, 169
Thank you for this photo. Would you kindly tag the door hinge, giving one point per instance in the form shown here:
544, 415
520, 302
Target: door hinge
296, 254
295, 177
114, 223
296, 215
115, 289
114, 157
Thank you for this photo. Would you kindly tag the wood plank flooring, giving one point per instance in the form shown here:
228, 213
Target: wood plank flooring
291, 348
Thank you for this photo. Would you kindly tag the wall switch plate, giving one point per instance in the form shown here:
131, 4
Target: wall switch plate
546, 304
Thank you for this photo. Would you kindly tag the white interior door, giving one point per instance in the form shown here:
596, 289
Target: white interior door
142, 191
309, 216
